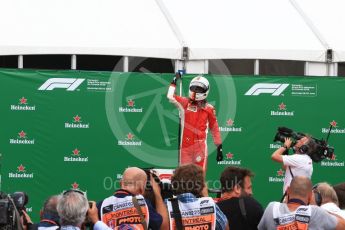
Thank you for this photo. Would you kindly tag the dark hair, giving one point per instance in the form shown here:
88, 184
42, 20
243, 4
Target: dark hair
311, 146
340, 190
232, 176
188, 179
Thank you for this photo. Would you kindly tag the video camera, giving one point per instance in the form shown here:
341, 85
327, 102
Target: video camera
322, 150
11, 208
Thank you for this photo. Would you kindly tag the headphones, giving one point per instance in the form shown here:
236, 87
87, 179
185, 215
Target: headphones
317, 195
304, 149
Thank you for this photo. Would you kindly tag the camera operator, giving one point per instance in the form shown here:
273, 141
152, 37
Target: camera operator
299, 163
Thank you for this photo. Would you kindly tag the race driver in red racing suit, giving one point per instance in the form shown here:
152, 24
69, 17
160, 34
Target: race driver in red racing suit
196, 116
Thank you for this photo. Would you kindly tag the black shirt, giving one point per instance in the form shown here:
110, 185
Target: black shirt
237, 221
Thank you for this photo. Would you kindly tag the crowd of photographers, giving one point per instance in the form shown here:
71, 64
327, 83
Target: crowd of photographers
144, 202
141, 205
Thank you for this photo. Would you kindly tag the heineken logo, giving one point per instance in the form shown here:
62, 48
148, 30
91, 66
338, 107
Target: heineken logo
129, 140
77, 119
130, 136
333, 124
77, 123
280, 172
282, 106
130, 103
22, 134
230, 127
20, 173
23, 105
23, 101
22, 139
21, 168
335, 128
75, 156
229, 156
275, 146
278, 178
229, 122
130, 108
332, 162
230, 160
75, 185
282, 111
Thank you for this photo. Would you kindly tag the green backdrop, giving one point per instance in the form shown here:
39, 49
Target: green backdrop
65, 129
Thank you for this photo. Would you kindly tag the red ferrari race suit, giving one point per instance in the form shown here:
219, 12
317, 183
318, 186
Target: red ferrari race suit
196, 117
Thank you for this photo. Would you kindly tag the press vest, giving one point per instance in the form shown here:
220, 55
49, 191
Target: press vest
299, 219
196, 215
121, 211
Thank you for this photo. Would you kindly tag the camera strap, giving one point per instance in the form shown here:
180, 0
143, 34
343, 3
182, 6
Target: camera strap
291, 172
137, 207
285, 193
176, 213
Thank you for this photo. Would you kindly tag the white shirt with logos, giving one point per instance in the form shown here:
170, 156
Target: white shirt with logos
300, 164
333, 208
197, 214
310, 217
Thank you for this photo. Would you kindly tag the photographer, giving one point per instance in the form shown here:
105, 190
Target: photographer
188, 183
299, 163
72, 209
128, 208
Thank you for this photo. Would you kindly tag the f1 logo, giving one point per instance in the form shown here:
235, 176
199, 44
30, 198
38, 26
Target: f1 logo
272, 88
70, 84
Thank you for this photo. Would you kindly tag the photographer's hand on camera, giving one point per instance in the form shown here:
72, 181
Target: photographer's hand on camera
278, 154
160, 205
92, 213
287, 143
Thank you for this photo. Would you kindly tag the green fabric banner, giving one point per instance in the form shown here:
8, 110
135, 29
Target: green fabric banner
79, 129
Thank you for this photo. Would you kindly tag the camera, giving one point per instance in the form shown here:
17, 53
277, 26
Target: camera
321, 150
11, 208
284, 132
163, 179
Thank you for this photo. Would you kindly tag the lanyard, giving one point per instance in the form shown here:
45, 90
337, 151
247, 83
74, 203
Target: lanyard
49, 221
297, 201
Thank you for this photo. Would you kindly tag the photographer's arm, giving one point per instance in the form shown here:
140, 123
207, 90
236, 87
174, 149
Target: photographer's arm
26, 221
92, 215
160, 205
278, 154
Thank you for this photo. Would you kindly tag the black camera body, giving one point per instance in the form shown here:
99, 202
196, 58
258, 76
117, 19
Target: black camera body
322, 149
165, 185
284, 132
11, 206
